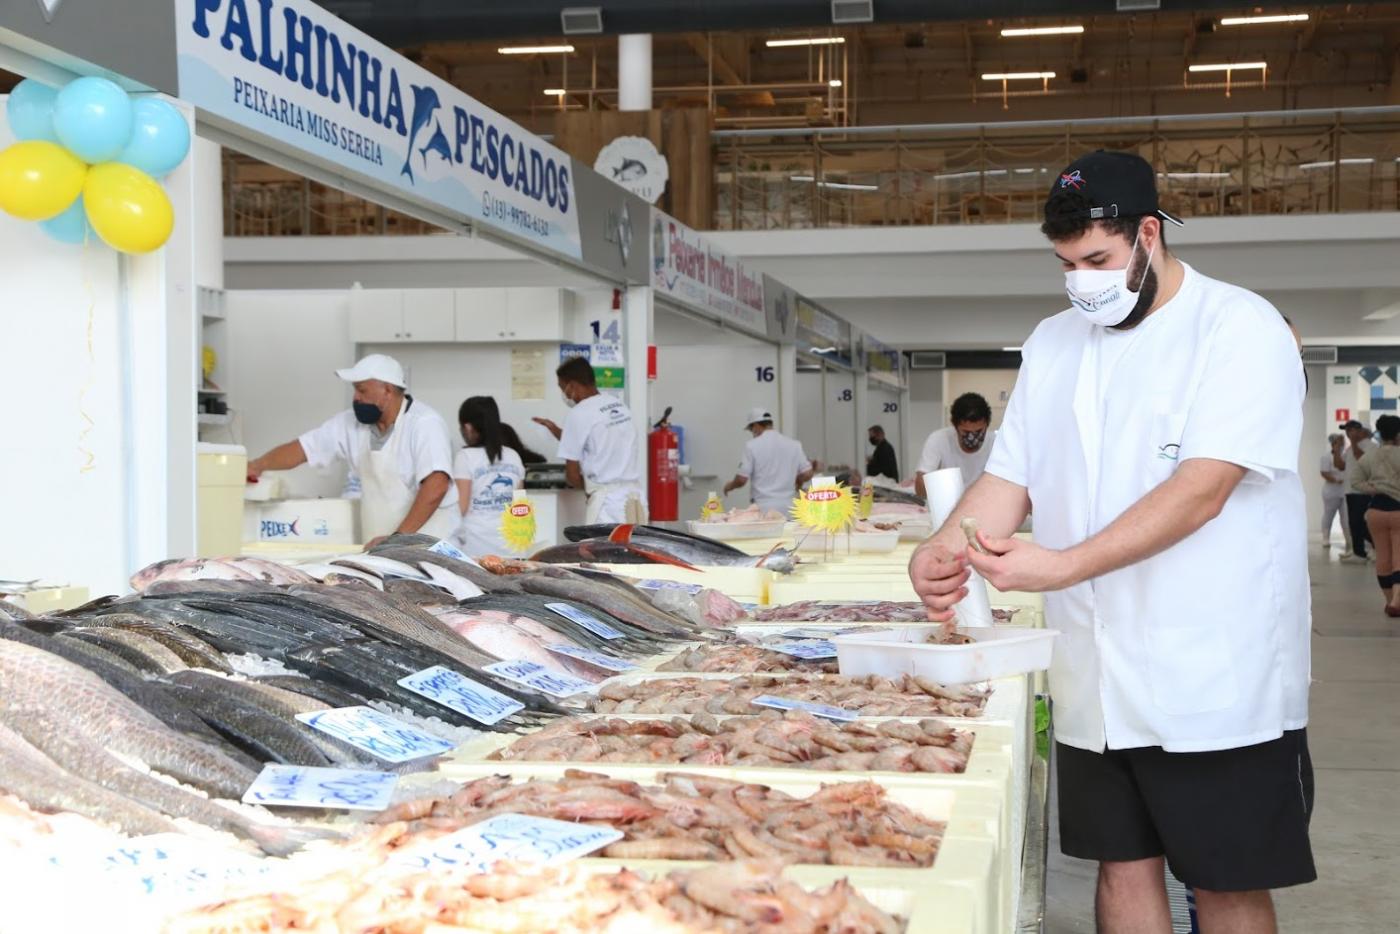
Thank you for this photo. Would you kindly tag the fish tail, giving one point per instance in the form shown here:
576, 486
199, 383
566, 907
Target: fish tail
407, 168
277, 840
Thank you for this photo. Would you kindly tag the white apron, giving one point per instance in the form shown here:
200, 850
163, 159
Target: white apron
608, 503
385, 499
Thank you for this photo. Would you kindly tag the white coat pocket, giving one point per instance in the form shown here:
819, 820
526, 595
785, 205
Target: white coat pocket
1191, 669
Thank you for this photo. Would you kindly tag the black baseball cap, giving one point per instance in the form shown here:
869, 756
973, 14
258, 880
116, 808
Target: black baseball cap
1117, 184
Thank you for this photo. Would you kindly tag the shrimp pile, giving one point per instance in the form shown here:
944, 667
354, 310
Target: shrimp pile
869, 695
744, 897
700, 818
887, 611
792, 739
743, 659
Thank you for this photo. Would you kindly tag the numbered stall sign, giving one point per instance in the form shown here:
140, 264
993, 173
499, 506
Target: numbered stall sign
460, 693
301, 786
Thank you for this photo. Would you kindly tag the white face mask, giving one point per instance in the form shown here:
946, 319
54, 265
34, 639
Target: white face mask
567, 401
1102, 295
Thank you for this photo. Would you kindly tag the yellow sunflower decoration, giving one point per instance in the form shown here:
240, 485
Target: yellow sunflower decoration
518, 523
825, 505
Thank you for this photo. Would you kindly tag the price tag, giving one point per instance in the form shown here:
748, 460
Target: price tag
574, 615
314, 787
819, 710
536, 676
815, 633
446, 687
651, 584
172, 867
449, 550
376, 733
516, 837
806, 649
601, 660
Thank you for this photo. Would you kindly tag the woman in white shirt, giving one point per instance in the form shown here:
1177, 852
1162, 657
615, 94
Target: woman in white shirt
488, 474
1334, 474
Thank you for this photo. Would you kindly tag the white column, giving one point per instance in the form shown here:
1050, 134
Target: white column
787, 389
634, 72
638, 322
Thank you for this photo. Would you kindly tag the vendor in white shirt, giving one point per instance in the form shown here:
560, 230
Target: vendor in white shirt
775, 464
394, 444
966, 444
1155, 428
488, 473
598, 444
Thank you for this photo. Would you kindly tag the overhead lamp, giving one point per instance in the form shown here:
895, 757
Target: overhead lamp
1262, 20
842, 186
534, 49
816, 40
1017, 31
1328, 163
555, 92
1229, 66
834, 83
1188, 175
972, 174
1011, 350
1018, 75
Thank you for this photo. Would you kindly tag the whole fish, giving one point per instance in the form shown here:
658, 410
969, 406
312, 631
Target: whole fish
37, 682
381, 566
263, 735
692, 550
9, 612
322, 571
327, 694
188, 569
518, 638
418, 555
131, 654
28, 774
417, 592
271, 572
628, 607
885, 494
144, 645
603, 551
193, 651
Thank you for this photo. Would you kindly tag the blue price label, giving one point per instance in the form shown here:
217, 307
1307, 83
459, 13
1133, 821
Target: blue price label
594, 625
599, 659
652, 584
807, 649
817, 710
378, 734
516, 837
316, 787
460, 693
537, 677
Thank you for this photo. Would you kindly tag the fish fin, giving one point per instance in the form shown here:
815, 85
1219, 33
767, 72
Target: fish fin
622, 535
660, 558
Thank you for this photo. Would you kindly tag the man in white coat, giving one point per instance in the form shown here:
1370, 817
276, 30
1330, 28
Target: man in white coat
775, 464
397, 446
1155, 429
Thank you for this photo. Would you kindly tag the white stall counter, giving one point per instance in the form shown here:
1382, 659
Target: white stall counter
554, 510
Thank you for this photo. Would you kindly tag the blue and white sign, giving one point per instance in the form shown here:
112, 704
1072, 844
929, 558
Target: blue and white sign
587, 620
652, 584
599, 659
516, 837
377, 733
170, 868
290, 71
806, 649
816, 710
535, 676
690, 269
305, 786
450, 689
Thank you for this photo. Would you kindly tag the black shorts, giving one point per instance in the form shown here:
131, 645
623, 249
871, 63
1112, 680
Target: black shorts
1234, 820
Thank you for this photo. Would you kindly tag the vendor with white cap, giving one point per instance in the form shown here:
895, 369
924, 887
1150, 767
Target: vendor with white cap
775, 463
396, 445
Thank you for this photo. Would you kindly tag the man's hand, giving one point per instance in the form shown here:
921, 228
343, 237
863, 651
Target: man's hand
549, 426
255, 471
938, 576
1013, 564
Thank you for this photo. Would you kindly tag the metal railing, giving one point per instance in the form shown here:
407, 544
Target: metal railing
1278, 162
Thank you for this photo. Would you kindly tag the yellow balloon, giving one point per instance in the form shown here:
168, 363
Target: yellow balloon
39, 179
127, 208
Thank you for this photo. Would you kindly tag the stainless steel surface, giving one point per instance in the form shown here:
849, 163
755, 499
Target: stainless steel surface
1034, 856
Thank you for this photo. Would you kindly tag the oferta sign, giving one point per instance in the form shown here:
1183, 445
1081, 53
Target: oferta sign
290, 71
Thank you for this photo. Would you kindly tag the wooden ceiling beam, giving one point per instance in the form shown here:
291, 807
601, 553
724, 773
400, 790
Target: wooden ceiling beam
704, 47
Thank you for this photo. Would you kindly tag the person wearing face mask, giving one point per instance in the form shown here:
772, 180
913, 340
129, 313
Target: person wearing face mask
775, 463
397, 447
598, 444
1155, 429
882, 461
488, 473
966, 444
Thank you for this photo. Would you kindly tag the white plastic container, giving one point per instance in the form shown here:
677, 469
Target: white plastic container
736, 531
221, 472
994, 653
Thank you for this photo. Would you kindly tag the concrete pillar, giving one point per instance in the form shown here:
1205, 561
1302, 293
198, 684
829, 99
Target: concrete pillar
638, 327
634, 72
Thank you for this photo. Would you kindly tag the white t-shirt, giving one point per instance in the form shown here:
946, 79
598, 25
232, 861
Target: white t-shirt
493, 488
771, 463
942, 451
1349, 458
1206, 644
600, 434
1330, 489
341, 437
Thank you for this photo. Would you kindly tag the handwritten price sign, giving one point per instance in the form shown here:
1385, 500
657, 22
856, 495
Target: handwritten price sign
807, 649
378, 734
516, 837
301, 786
587, 620
816, 710
600, 659
536, 676
450, 689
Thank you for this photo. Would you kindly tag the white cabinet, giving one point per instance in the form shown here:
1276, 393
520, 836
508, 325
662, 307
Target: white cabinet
387, 316
481, 314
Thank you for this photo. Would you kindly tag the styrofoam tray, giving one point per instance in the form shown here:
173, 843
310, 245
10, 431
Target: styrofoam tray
994, 653
962, 891
736, 531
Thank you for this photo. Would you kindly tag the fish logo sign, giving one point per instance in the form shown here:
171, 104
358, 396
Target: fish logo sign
636, 164
271, 528
425, 105
1072, 180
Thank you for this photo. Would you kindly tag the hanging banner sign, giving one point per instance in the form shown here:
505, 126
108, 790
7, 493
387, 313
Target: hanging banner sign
289, 71
696, 273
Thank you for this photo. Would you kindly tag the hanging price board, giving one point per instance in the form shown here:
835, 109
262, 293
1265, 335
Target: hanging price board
518, 523
825, 505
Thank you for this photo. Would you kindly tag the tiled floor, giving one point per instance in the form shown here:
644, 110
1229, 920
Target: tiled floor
1354, 736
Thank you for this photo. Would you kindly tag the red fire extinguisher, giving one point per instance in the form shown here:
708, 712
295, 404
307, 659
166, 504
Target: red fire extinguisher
663, 471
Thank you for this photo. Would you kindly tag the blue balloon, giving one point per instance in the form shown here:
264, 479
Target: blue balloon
92, 117
160, 138
30, 110
71, 226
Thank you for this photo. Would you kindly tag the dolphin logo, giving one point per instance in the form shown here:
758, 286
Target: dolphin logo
500, 480
437, 144
425, 104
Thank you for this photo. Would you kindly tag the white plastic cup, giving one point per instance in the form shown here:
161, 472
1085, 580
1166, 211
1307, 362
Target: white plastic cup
945, 488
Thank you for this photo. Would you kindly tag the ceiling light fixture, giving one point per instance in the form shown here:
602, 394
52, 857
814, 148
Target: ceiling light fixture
842, 186
1328, 163
1017, 31
555, 92
1261, 20
1011, 350
834, 83
1018, 75
1184, 175
946, 176
534, 49
1229, 66
819, 40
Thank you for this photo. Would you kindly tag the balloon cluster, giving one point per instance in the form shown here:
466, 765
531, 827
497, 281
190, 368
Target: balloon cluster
88, 159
